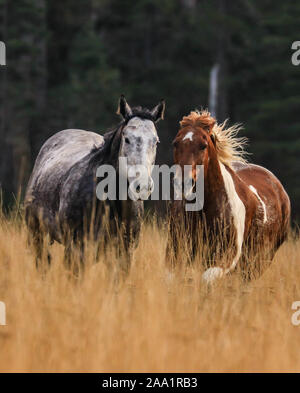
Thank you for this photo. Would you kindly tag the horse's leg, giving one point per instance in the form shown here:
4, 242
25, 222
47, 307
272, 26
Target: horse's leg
82, 255
229, 251
35, 239
68, 254
49, 258
261, 256
74, 254
127, 228
258, 252
127, 243
37, 243
182, 243
171, 252
173, 245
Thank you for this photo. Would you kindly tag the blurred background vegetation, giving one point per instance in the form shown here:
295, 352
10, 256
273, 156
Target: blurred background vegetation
69, 61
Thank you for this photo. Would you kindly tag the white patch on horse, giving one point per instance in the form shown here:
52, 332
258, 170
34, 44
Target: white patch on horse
211, 274
253, 189
238, 212
189, 136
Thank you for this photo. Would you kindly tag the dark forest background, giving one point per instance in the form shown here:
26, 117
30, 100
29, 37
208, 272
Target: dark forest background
68, 62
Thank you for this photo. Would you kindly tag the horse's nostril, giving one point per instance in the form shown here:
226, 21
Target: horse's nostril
151, 186
138, 188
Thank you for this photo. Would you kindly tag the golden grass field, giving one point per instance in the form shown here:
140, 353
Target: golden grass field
146, 322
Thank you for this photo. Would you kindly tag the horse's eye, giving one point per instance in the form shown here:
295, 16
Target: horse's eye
203, 145
127, 140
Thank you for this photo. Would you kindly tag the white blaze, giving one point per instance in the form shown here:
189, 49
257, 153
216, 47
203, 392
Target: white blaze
189, 136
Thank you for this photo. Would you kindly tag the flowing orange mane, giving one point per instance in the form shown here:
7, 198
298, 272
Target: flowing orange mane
229, 147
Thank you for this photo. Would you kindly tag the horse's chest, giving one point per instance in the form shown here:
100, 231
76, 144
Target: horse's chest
217, 208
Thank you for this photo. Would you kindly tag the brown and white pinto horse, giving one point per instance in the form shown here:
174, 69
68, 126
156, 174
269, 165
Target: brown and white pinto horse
245, 206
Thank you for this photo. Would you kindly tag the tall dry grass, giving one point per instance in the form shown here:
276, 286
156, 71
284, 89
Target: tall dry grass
147, 322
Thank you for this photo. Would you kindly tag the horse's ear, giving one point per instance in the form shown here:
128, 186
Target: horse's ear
159, 111
124, 109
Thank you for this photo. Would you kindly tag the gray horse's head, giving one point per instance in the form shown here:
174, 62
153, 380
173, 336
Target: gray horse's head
138, 146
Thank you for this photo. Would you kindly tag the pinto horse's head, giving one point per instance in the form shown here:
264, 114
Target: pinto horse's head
192, 144
139, 140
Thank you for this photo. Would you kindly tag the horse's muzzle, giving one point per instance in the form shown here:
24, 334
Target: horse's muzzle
189, 188
138, 190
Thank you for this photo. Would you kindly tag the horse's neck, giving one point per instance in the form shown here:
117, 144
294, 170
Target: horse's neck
214, 187
126, 210
106, 155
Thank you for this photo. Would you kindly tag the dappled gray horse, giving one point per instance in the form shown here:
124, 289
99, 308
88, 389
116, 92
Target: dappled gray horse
61, 194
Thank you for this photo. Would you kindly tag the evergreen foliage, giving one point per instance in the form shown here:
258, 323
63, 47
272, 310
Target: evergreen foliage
68, 62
